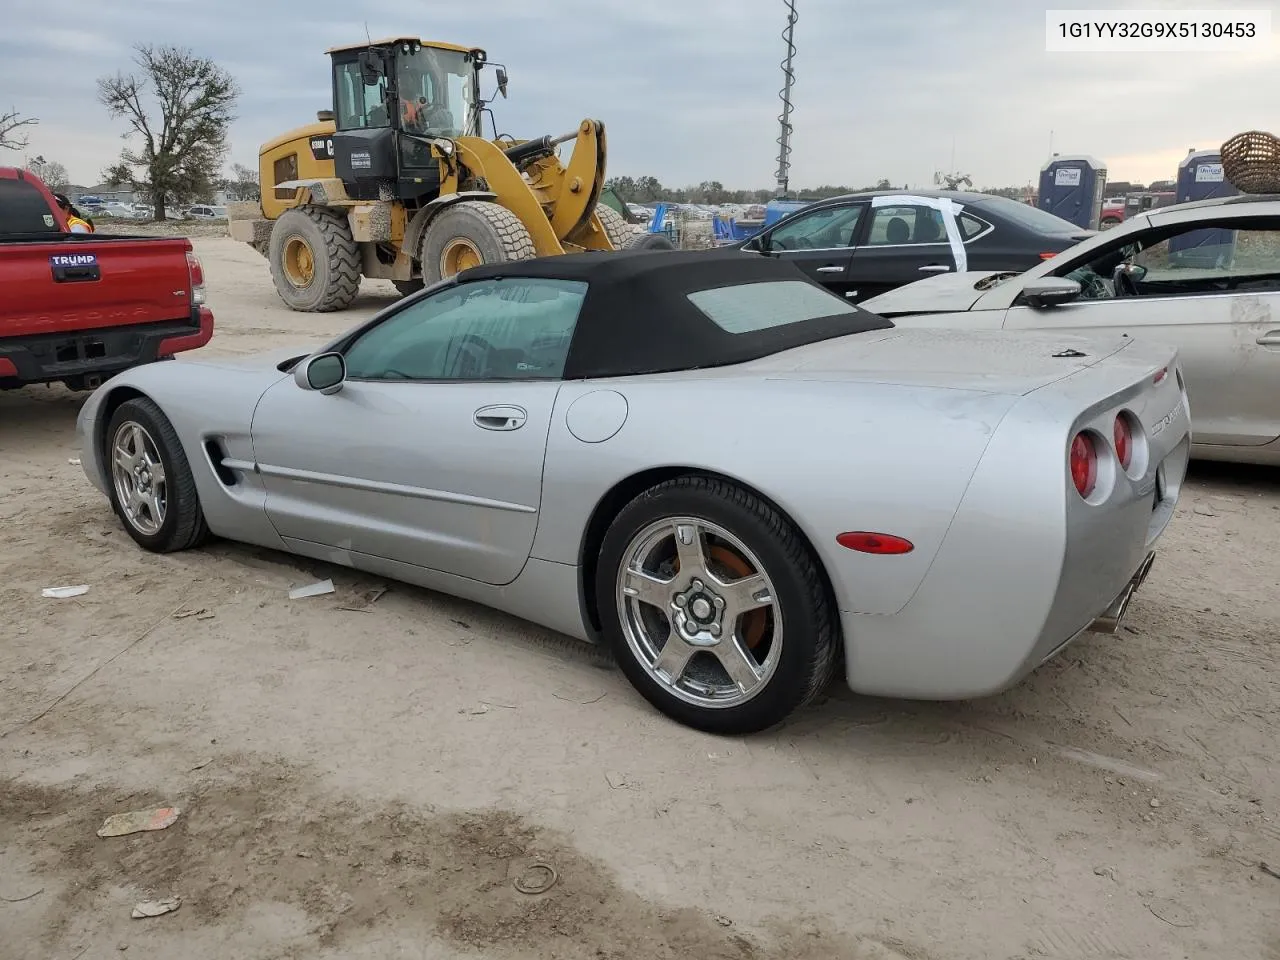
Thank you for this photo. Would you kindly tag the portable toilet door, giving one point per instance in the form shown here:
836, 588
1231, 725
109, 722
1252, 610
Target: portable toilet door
1200, 177
1072, 188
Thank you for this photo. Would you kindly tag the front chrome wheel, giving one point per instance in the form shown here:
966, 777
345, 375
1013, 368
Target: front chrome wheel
699, 612
139, 478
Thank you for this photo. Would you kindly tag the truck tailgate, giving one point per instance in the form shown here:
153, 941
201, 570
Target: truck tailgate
59, 285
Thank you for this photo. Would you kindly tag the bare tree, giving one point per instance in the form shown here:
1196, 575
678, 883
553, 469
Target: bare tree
243, 183
178, 110
10, 121
54, 175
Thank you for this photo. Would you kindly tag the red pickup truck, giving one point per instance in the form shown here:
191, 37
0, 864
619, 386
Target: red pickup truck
77, 308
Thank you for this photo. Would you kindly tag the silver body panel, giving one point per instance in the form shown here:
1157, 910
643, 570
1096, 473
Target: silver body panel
1228, 342
960, 447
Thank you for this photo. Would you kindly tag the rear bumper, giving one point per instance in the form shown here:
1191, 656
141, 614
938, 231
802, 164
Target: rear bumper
84, 358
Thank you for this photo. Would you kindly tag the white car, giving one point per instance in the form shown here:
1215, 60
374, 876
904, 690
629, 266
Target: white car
1203, 277
203, 211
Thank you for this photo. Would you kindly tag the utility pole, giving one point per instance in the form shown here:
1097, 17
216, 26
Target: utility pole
789, 78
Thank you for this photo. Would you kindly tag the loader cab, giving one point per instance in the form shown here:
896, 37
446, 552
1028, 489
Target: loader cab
391, 99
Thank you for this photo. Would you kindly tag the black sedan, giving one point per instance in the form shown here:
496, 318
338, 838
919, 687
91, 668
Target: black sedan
863, 244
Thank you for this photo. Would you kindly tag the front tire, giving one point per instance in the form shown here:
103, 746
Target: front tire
315, 263
714, 606
152, 489
471, 233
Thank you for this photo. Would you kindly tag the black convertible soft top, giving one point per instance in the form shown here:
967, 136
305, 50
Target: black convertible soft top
637, 316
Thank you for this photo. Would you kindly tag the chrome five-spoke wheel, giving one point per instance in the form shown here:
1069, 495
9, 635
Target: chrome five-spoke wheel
714, 605
139, 477
152, 487
698, 611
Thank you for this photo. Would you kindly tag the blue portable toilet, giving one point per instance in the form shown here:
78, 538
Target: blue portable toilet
775, 210
1072, 188
1200, 177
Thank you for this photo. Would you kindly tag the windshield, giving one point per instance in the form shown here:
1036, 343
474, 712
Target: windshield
437, 92
1033, 218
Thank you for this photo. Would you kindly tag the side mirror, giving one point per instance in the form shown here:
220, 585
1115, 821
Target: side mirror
323, 373
502, 82
1050, 291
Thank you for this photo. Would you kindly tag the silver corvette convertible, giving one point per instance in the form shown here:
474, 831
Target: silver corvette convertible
735, 479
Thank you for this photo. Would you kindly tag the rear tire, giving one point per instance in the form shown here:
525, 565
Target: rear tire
616, 228
315, 262
649, 241
162, 514
471, 233
781, 626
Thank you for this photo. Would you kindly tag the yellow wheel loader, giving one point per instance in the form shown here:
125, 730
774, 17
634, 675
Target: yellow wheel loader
397, 182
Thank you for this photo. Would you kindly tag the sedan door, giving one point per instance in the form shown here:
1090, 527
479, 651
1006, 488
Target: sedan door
1224, 319
901, 242
431, 451
819, 241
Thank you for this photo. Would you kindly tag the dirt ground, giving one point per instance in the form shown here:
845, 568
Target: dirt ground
371, 776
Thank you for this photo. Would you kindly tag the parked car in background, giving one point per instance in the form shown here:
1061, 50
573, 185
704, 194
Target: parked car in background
864, 244
1113, 210
204, 211
1203, 277
77, 308
936, 515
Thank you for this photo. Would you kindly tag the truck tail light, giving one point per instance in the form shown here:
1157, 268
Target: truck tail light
195, 272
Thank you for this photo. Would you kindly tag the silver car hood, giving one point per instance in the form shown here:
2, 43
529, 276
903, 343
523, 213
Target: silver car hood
945, 293
253, 361
991, 361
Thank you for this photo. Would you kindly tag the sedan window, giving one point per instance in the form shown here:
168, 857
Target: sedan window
1201, 258
818, 229
908, 224
507, 329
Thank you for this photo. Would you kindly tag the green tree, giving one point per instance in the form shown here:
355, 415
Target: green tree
178, 108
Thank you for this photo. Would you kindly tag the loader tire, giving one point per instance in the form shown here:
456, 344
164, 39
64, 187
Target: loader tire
615, 226
315, 262
471, 233
650, 241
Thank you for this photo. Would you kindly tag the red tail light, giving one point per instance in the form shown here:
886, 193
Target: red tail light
195, 272
1084, 464
881, 543
1123, 435
1047, 256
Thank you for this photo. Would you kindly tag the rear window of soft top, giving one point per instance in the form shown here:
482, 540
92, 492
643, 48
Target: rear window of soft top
749, 307
23, 209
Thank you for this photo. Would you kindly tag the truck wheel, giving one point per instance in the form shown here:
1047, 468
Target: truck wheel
714, 606
315, 263
151, 486
649, 241
615, 226
471, 233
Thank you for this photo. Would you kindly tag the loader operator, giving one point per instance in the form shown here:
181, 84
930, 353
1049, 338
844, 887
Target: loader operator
417, 114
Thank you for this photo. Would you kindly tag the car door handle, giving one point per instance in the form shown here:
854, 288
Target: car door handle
935, 268
1271, 339
831, 268
501, 417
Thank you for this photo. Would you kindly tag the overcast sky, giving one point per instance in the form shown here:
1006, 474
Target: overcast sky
688, 89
